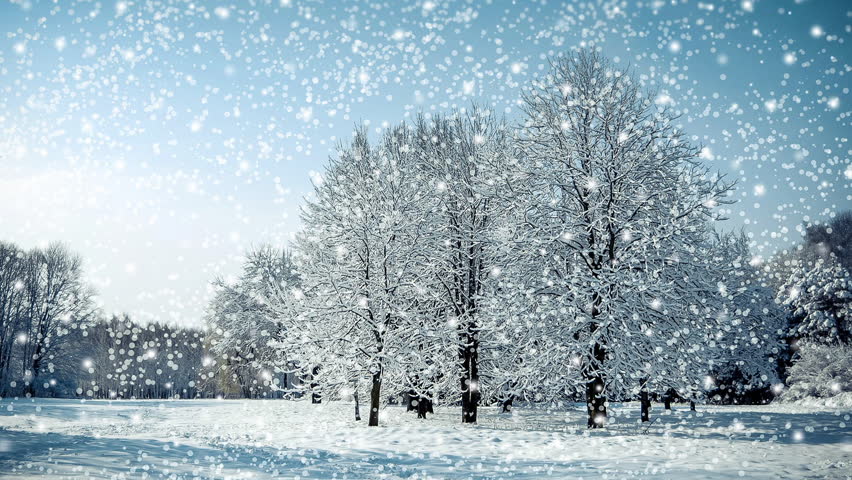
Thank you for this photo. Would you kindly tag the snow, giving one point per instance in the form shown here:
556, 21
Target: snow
261, 439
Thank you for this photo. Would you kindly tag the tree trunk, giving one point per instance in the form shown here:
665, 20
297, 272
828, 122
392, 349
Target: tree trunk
30, 391
422, 406
596, 402
644, 402
470, 378
692, 405
315, 397
375, 397
357, 405
595, 394
667, 401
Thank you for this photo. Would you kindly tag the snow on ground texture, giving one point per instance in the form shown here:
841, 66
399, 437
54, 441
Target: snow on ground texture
284, 439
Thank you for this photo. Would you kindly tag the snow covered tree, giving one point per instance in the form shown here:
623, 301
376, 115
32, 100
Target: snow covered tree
614, 196
751, 326
250, 317
822, 240
465, 157
362, 261
820, 298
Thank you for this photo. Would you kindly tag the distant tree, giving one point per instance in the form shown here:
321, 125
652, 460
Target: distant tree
820, 371
751, 336
833, 237
13, 330
250, 315
57, 301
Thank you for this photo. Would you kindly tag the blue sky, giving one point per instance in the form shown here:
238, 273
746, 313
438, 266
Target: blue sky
161, 139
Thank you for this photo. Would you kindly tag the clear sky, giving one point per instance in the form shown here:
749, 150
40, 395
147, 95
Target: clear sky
161, 139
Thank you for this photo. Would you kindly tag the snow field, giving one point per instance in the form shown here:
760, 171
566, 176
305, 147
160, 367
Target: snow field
242, 439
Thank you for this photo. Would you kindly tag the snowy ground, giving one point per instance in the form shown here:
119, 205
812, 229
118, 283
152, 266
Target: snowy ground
283, 439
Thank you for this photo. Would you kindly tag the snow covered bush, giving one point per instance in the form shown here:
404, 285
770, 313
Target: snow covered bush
821, 371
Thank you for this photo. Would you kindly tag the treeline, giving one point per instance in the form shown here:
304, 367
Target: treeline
459, 259
56, 342
120, 358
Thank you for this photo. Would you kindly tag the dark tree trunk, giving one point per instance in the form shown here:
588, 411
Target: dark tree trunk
692, 405
286, 386
470, 284
667, 401
595, 394
423, 406
596, 402
29, 390
35, 367
470, 378
375, 397
644, 402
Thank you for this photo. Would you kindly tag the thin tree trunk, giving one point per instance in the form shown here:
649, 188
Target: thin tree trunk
315, 397
357, 405
36, 366
644, 402
411, 398
375, 397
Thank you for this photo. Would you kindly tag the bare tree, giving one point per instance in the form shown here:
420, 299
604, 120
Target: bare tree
57, 301
12, 267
